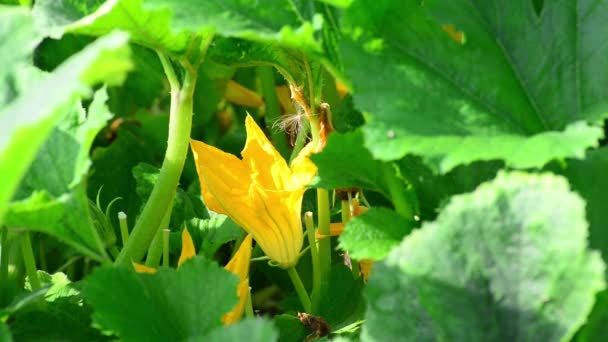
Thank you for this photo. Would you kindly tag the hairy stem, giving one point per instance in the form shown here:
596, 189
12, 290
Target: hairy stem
180, 125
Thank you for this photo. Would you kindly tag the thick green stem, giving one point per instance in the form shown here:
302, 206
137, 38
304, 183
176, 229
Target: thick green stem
316, 264
324, 244
29, 261
397, 192
300, 290
273, 109
180, 125
156, 247
166, 233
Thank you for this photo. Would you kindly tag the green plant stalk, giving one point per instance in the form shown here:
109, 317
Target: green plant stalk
124, 227
166, 233
249, 306
42, 255
180, 125
29, 261
397, 192
155, 251
324, 244
300, 290
315, 296
156, 247
4, 253
273, 109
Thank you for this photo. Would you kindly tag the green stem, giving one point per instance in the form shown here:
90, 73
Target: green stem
124, 227
4, 253
180, 125
155, 252
114, 251
397, 192
29, 261
347, 214
273, 109
156, 247
324, 244
249, 306
300, 290
316, 265
166, 233
42, 255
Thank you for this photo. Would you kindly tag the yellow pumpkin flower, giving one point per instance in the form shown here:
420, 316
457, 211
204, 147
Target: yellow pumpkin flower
239, 265
261, 192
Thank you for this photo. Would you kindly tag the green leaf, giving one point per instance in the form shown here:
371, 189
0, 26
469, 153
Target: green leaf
357, 167
506, 262
216, 231
595, 328
290, 328
174, 305
5, 333
167, 24
588, 178
64, 320
534, 96
65, 217
150, 28
251, 329
44, 200
112, 169
343, 302
28, 120
433, 190
19, 38
374, 233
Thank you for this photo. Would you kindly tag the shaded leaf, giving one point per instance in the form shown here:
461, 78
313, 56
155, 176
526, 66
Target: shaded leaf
506, 262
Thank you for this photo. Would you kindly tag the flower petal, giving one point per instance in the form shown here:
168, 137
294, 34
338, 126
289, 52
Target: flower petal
265, 163
278, 226
223, 177
239, 265
139, 268
303, 169
188, 251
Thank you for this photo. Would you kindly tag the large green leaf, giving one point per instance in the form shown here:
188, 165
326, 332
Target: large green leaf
587, 177
460, 81
252, 329
51, 197
167, 306
345, 162
507, 262
28, 120
168, 24
18, 40
374, 233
